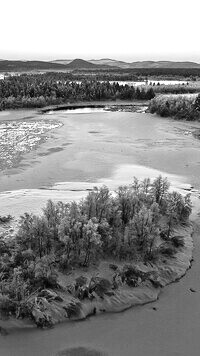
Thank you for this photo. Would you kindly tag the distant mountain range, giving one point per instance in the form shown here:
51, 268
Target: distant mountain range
104, 63
107, 62
13, 66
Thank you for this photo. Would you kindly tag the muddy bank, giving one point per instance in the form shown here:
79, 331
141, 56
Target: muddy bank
165, 271
17, 114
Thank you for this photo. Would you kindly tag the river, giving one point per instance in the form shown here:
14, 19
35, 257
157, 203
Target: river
110, 148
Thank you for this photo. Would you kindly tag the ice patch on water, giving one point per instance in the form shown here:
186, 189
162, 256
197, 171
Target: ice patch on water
19, 137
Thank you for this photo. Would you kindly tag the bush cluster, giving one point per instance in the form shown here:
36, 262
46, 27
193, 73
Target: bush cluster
178, 106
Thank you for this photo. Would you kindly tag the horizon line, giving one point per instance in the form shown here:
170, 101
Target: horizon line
98, 58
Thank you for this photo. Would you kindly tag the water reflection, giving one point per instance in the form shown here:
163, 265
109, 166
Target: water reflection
86, 110
151, 82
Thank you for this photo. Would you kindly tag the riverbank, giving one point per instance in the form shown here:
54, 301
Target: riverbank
165, 271
109, 105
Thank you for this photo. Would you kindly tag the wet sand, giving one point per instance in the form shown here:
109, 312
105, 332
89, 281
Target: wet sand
102, 148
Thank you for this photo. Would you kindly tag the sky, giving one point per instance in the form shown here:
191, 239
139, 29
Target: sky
127, 30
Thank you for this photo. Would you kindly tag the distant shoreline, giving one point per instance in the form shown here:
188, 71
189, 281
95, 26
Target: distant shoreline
71, 106
93, 104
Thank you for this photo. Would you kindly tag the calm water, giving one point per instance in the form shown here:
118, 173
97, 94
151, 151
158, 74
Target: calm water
151, 82
111, 147
87, 110
147, 82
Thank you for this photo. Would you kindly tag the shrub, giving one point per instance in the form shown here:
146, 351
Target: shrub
99, 285
5, 219
178, 241
73, 309
45, 275
132, 276
7, 306
167, 249
80, 281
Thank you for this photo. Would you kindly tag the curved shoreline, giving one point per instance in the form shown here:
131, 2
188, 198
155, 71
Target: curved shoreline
92, 105
126, 297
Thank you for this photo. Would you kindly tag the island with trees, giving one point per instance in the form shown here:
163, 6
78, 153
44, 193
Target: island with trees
105, 253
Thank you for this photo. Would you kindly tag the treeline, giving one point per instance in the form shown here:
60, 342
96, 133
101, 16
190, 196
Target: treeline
185, 107
104, 75
176, 88
28, 91
165, 73
135, 224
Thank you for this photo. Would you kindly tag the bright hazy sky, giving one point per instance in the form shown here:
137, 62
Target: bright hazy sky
127, 29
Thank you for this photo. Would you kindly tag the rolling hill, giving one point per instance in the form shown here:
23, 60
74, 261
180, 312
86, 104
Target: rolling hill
164, 64
62, 61
107, 62
81, 64
110, 62
18, 66
104, 63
